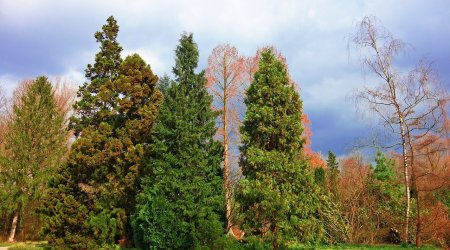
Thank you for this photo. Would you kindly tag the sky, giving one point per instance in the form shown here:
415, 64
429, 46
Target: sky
55, 38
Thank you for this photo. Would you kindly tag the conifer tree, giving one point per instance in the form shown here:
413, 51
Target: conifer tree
319, 177
92, 109
387, 191
279, 197
35, 144
113, 122
333, 172
182, 201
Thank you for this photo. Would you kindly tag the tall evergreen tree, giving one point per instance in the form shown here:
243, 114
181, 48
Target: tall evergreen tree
279, 197
114, 121
387, 191
182, 201
92, 109
333, 172
319, 177
35, 144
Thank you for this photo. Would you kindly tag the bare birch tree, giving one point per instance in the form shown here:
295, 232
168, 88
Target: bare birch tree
409, 105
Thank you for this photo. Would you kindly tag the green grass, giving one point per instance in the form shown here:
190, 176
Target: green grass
354, 247
29, 245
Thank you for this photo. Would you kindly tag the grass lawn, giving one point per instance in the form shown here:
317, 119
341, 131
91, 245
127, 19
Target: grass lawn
354, 247
31, 245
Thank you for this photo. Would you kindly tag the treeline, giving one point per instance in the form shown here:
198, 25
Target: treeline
217, 159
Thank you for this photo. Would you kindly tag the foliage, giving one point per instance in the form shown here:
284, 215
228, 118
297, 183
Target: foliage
444, 197
66, 218
279, 198
384, 186
409, 105
113, 125
163, 84
149, 169
333, 172
319, 177
91, 108
373, 206
35, 145
182, 203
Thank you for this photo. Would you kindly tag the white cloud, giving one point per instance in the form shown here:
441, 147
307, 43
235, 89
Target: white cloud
55, 37
72, 76
8, 83
159, 61
18, 12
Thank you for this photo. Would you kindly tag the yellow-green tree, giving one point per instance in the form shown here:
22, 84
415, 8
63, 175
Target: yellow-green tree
35, 144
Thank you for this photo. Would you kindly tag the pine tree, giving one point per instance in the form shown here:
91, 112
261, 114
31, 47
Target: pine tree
93, 109
385, 168
279, 197
35, 144
387, 191
114, 122
333, 172
182, 201
319, 177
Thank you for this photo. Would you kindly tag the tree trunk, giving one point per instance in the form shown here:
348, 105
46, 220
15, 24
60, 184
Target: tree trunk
226, 170
275, 238
414, 182
12, 234
406, 175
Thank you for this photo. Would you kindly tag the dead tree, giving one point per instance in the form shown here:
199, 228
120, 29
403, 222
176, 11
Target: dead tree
225, 74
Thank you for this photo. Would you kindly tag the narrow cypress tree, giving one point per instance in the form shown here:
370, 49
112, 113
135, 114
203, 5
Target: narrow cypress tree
182, 201
279, 197
115, 118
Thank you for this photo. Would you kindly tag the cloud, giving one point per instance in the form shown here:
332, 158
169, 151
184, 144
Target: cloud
160, 61
55, 38
8, 83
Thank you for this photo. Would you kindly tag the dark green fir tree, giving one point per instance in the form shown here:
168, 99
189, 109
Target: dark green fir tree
182, 204
388, 192
333, 173
279, 198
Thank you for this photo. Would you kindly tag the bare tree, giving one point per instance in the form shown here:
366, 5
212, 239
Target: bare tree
225, 75
409, 105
